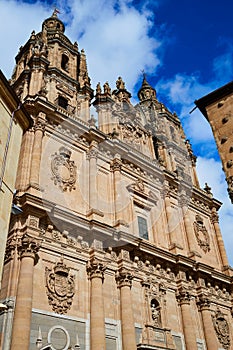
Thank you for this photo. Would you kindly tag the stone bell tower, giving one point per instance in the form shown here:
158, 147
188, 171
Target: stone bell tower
50, 67
117, 247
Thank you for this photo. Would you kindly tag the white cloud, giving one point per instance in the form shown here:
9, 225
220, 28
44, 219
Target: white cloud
114, 35
18, 19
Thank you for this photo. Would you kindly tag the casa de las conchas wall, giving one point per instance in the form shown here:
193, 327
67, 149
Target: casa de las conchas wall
117, 247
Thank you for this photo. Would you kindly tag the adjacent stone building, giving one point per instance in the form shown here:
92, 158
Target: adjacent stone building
14, 120
217, 108
117, 246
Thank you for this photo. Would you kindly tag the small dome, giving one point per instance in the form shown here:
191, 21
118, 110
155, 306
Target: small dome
146, 91
53, 23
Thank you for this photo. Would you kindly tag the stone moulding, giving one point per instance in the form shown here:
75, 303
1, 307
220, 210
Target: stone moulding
60, 287
64, 170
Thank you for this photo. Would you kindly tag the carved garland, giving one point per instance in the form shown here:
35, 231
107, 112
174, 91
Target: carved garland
201, 233
222, 329
63, 170
60, 287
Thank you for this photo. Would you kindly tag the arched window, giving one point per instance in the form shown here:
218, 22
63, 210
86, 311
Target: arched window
65, 62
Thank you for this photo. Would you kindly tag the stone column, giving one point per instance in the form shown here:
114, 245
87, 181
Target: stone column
23, 308
124, 282
208, 327
36, 153
95, 269
214, 219
189, 332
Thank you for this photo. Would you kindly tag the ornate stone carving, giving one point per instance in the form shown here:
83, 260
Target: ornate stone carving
201, 233
124, 277
63, 169
60, 287
214, 217
29, 247
96, 268
116, 164
64, 88
183, 296
222, 329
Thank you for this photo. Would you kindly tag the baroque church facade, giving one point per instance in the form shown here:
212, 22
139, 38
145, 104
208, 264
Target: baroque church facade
117, 246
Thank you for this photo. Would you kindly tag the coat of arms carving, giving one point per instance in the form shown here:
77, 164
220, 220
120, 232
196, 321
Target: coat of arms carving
63, 169
222, 329
60, 287
201, 233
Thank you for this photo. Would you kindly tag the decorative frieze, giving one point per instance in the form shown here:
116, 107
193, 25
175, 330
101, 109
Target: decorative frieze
60, 287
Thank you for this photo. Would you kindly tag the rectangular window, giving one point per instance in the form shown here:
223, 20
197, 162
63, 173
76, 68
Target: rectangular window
62, 102
142, 228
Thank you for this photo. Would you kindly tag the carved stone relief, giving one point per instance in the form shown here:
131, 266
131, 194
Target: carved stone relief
63, 169
222, 329
60, 287
201, 233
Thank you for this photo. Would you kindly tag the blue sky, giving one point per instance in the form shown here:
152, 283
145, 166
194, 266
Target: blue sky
185, 47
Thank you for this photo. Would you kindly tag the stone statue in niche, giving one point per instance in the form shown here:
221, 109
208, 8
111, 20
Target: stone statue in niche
155, 313
201, 233
63, 170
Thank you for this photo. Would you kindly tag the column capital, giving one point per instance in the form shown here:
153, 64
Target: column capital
96, 268
40, 125
183, 297
124, 277
203, 303
92, 153
214, 217
116, 164
29, 247
184, 200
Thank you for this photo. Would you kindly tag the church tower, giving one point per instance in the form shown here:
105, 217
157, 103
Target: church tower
117, 246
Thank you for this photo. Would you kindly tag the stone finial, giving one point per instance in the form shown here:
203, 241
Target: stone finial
98, 89
107, 89
146, 91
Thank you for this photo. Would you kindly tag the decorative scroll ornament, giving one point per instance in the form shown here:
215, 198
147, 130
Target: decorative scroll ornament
201, 233
64, 170
60, 287
222, 329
